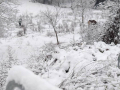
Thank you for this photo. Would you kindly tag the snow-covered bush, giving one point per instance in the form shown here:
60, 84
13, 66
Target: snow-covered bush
20, 33
36, 64
49, 47
66, 26
92, 34
7, 17
3, 74
39, 25
112, 32
5, 65
39, 63
50, 34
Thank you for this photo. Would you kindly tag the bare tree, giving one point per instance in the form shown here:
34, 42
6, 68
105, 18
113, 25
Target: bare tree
53, 18
83, 9
78, 7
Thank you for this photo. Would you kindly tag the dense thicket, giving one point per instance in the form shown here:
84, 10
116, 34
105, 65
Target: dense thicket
112, 33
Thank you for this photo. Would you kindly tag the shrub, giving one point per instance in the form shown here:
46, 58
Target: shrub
7, 17
50, 34
112, 32
92, 34
20, 33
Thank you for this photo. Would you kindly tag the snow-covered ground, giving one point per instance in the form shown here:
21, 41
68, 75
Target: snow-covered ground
24, 47
88, 63
79, 67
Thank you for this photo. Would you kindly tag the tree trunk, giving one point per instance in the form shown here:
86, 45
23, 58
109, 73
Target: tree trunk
82, 15
56, 35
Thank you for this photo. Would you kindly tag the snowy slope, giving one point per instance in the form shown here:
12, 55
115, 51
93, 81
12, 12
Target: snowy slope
26, 6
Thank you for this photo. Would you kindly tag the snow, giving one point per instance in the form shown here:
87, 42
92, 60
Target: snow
79, 59
28, 80
33, 8
89, 66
